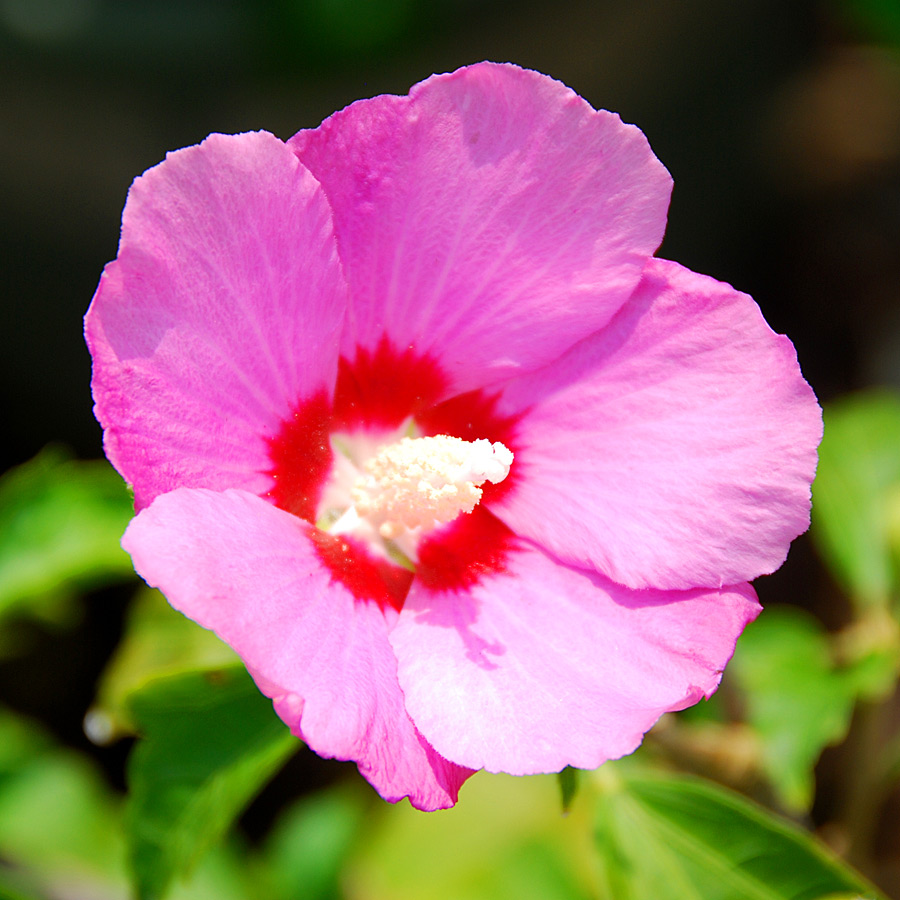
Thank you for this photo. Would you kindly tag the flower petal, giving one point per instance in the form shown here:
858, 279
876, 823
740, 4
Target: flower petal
251, 573
488, 220
545, 666
673, 450
221, 313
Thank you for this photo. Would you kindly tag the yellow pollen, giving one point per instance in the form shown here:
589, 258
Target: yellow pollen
426, 482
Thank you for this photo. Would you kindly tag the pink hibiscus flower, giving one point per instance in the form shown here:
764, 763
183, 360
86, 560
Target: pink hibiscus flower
312, 359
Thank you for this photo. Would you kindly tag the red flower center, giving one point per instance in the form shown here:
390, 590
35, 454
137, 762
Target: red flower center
377, 392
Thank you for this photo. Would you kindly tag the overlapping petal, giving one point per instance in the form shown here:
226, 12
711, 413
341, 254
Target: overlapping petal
675, 448
222, 311
488, 220
250, 572
543, 666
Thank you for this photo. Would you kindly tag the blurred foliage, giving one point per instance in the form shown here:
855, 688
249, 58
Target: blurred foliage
664, 836
307, 850
340, 29
156, 641
505, 840
211, 742
800, 695
856, 496
632, 834
58, 818
60, 524
877, 20
61, 828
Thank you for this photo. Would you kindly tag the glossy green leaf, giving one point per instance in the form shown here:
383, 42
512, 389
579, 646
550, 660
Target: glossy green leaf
211, 741
60, 523
676, 838
856, 495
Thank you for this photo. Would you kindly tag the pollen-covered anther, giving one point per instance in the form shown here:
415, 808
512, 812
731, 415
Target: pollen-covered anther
426, 482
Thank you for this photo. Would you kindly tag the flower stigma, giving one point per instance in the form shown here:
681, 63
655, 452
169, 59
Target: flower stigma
406, 488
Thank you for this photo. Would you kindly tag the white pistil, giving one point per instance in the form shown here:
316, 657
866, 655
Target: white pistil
416, 484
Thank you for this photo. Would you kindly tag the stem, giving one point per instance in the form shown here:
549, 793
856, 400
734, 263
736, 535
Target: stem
864, 792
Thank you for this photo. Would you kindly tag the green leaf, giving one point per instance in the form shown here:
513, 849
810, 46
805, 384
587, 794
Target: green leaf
305, 852
856, 496
800, 686
211, 742
157, 641
59, 821
227, 872
797, 700
61, 824
677, 838
60, 524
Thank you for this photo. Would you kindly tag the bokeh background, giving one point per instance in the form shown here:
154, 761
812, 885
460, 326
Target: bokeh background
779, 121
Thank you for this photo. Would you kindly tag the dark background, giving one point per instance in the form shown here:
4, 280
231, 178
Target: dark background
779, 121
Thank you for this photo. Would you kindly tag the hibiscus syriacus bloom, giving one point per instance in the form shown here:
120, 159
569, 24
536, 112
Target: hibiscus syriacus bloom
418, 425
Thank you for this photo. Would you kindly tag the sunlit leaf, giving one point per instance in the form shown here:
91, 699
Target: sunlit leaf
676, 838
856, 495
60, 523
211, 741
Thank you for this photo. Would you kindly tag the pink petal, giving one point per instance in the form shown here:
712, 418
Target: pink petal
219, 316
488, 220
546, 666
251, 573
675, 449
